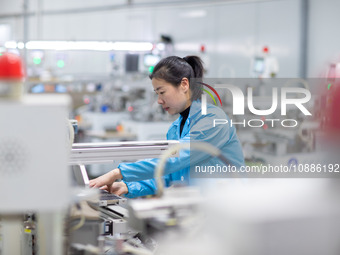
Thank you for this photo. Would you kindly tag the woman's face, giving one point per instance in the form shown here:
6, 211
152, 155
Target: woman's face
172, 99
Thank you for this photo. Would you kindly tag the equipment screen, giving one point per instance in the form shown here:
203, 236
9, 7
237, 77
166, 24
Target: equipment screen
151, 59
258, 65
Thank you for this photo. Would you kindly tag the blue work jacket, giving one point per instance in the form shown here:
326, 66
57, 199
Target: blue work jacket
138, 176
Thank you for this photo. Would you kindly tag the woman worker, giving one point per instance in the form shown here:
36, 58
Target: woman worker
176, 94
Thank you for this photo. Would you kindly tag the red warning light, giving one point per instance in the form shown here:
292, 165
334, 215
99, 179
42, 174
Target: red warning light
202, 48
86, 100
11, 67
265, 49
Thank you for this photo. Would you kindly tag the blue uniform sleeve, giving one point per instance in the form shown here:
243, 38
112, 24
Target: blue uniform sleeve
144, 188
144, 169
201, 130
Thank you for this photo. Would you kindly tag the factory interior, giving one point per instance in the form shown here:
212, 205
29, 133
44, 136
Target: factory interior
255, 172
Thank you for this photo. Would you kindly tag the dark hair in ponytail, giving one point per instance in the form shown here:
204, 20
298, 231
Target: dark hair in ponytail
173, 69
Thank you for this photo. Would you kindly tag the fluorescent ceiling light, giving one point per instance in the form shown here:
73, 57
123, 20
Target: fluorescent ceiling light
10, 45
194, 14
133, 46
81, 45
69, 45
20, 45
160, 46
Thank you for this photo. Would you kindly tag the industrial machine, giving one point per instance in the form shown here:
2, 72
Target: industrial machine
34, 148
32, 180
265, 65
100, 224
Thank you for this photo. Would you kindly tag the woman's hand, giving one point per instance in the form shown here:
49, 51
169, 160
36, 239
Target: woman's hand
106, 179
117, 188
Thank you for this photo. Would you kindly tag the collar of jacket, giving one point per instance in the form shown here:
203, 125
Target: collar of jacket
195, 109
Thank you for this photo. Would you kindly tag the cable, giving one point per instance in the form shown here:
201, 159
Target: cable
81, 221
202, 146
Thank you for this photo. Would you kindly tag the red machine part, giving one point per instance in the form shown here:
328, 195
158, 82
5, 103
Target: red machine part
11, 67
